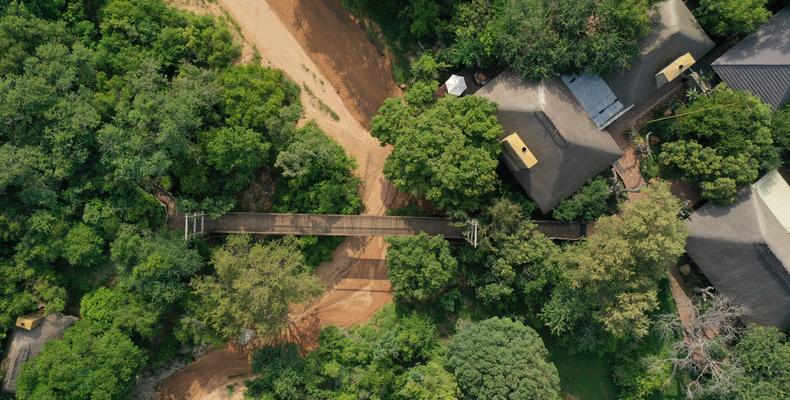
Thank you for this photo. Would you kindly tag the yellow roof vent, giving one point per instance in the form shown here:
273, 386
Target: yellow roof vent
30, 321
518, 152
674, 69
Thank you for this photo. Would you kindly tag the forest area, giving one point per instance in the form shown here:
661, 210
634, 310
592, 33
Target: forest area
104, 103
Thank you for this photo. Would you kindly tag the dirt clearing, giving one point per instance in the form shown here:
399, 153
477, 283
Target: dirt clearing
344, 80
341, 49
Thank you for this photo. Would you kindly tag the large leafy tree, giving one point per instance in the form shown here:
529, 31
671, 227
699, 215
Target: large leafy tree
732, 18
721, 141
318, 176
87, 363
446, 152
508, 266
610, 281
420, 267
500, 358
258, 98
252, 288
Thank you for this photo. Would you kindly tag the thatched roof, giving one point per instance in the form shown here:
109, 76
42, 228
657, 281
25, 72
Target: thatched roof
674, 33
569, 147
24, 345
744, 249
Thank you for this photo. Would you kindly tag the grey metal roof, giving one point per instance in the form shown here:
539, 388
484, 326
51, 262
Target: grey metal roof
760, 63
744, 250
568, 145
596, 97
674, 33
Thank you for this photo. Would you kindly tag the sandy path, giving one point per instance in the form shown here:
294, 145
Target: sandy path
356, 277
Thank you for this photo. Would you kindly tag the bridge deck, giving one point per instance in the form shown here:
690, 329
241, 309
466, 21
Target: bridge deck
350, 225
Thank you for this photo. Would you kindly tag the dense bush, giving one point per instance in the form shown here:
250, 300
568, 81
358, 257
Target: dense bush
393, 356
501, 358
732, 18
721, 142
587, 204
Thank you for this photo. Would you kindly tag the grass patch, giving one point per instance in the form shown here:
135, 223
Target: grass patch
582, 376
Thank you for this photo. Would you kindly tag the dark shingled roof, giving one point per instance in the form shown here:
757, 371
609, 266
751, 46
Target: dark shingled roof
760, 63
744, 250
674, 33
569, 147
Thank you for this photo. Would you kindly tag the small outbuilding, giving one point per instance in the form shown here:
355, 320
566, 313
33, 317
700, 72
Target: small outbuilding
744, 249
25, 343
551, 146
760, 63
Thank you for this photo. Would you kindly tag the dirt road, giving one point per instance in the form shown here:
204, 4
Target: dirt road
320, 48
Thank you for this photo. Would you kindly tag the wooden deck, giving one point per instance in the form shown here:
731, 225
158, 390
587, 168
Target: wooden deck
348, 225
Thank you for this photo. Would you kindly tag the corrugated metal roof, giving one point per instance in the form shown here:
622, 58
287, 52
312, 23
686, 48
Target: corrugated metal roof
760, 63
595, 95
771, 83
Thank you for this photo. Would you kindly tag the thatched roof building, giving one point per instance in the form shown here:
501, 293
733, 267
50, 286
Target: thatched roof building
674, 33
25, 344
558, 147
744, 249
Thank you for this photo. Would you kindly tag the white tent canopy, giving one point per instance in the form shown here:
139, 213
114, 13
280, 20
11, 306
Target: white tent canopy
456, 85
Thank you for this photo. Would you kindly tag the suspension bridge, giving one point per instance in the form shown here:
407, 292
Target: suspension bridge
352, 225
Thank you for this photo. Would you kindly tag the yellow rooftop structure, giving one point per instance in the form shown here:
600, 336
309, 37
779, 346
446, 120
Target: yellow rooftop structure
518, 152
674, 69
30, 321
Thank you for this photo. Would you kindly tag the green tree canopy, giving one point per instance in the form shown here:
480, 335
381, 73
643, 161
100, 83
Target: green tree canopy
763, 353
781, 130
721, 142
732, 18
447, 153
252, 288
318, 176
87, 363
512, 252
258, 98
610, 281
113, 308
428, 382
420, 267
500, 358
